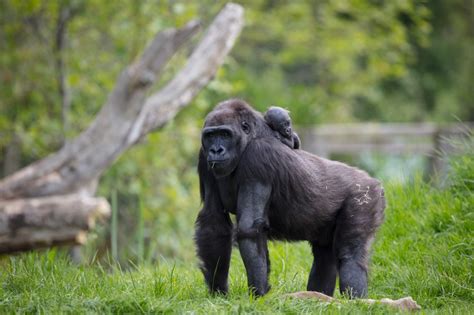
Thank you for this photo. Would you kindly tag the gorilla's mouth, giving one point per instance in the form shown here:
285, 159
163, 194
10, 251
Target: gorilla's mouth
213, 163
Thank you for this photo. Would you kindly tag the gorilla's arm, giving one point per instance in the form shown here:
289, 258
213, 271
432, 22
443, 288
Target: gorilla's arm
213, 234
296, 141
252, 225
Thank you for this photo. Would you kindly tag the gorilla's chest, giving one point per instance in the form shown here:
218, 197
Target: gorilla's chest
228, 194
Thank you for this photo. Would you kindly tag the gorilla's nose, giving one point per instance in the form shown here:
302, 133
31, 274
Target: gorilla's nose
216, 151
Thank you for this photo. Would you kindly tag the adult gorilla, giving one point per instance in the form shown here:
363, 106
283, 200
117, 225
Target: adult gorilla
283, 194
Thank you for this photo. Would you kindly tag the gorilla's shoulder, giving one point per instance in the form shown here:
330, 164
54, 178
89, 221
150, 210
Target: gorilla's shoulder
267, 157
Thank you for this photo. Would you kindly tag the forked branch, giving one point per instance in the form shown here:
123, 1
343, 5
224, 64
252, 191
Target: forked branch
47, 203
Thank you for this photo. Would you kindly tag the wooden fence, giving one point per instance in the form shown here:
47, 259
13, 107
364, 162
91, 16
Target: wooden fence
426, 139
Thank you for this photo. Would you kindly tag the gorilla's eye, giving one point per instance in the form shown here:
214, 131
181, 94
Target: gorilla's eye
245, 127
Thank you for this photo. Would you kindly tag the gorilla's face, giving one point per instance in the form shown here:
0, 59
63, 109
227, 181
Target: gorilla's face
224, 138
284, 128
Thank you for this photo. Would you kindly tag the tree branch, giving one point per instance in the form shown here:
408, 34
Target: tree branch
403, 304
199, 70
125, 117
79, 161
63, 213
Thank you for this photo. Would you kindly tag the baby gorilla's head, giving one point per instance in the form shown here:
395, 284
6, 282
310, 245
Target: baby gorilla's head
279, 119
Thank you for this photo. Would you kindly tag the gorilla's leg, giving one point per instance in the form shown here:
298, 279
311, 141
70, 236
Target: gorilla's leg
353, 277
352, 244
214, 245
355, 228
353, 237
322, 277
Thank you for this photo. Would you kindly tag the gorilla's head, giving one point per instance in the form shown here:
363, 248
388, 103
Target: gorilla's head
279, 119
226, 133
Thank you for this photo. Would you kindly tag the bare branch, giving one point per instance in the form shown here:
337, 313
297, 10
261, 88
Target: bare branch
403, 304
91, 152
199, 70
124, 119
65, 180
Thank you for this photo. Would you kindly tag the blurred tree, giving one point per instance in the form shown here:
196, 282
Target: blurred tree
205, 60
326, 61
445, 68
333, 57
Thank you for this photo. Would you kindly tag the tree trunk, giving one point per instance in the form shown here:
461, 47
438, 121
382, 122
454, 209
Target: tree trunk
126, 117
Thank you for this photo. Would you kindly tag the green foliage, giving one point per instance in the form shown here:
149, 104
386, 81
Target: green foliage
334, 55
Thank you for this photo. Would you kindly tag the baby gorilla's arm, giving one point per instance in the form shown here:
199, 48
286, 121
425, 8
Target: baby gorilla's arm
296, 141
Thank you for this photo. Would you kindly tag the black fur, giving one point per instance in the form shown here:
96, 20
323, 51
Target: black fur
279, 120
282, 194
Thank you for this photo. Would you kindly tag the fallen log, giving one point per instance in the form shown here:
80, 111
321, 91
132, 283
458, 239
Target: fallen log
43, 222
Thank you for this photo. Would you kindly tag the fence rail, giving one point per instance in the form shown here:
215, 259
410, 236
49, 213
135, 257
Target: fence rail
427, 139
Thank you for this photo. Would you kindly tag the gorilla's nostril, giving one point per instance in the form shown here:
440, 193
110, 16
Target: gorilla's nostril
217, 151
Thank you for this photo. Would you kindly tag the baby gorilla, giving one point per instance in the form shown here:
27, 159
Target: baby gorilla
279, 120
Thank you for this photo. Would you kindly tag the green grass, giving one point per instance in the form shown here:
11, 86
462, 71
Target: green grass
424, 249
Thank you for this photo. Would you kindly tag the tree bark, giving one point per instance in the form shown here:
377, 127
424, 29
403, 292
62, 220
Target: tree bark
126, 117
42, 222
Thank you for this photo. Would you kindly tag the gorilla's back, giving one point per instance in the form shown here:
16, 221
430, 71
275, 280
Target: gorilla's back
306, 188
